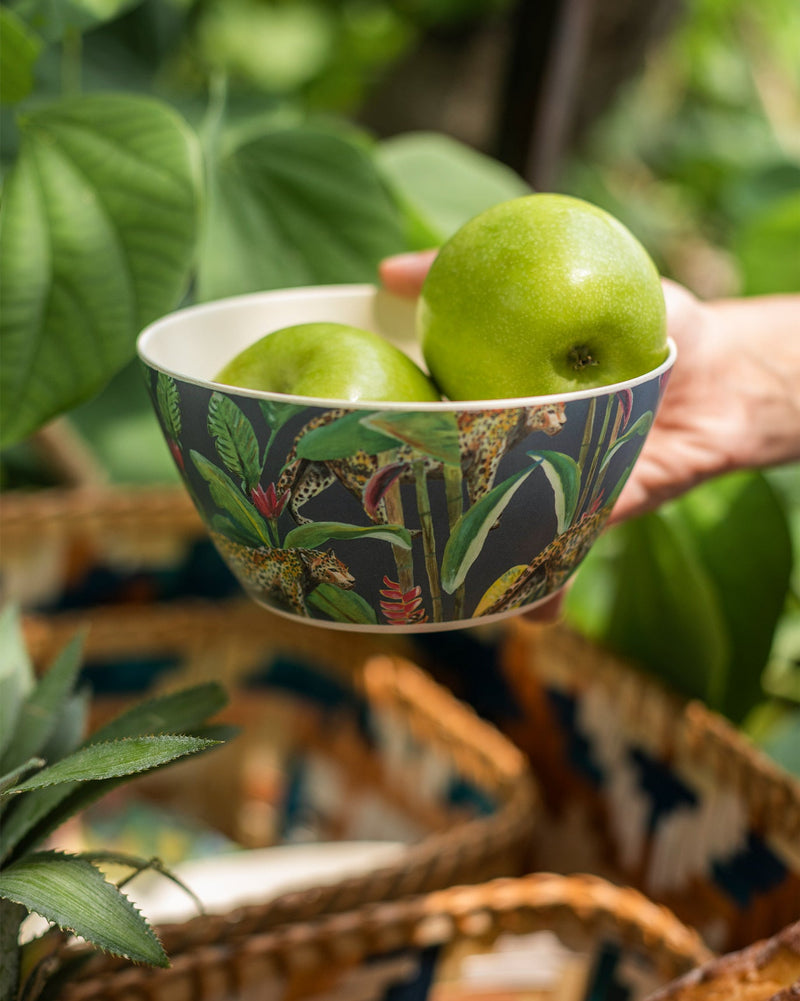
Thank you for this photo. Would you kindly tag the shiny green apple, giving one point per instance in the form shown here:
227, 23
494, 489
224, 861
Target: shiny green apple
331, 361
543, 294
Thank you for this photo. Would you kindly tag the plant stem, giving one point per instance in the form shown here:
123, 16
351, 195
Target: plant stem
588, 481
71, 54
428, 537
455, 508
11, 917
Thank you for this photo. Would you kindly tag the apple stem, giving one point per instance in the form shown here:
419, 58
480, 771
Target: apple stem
580, 357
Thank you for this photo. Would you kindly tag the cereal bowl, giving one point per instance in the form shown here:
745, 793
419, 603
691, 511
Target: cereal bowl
386, 516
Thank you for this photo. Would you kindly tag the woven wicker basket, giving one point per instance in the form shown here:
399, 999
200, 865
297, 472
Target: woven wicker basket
414, 949
652, 790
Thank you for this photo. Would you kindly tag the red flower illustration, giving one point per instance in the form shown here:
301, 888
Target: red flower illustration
267, 501
402, 607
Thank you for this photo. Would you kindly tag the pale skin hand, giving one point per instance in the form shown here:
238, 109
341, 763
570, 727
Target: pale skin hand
733, 398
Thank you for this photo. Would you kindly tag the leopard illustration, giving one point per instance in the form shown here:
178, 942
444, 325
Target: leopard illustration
484, 437
287, 576
549, 570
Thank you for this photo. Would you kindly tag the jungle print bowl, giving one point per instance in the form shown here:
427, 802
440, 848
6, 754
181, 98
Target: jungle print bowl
380, 516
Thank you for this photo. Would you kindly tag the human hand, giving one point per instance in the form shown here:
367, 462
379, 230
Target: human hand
733, 397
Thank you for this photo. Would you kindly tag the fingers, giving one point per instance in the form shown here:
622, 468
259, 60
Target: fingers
404, 274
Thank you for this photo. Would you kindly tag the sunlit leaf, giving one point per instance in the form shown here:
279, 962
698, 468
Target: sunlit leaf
294, 207
98, 223
69, 891
445, 181
319, 532
472, 528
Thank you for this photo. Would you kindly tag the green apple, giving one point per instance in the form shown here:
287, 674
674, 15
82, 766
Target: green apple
331, 361
539, 295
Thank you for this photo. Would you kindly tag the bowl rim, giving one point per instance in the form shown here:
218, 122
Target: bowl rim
152, 330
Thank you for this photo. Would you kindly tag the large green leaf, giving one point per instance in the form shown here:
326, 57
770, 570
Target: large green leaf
342, 606
19, 50
294, 207
666, 614
39, 714
16, 672
740, 533
112, 759
444, 181
225, 495
235, 440
71, 892
434, 434
98, 225
343, 437
472, 528
319, 532
564, 475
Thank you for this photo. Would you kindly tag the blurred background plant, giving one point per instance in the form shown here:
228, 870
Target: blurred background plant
157, 152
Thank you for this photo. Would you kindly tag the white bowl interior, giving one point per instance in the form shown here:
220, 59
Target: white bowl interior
195, 343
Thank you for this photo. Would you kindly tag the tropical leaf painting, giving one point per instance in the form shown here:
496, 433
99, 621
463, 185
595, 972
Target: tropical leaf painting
342, 438
638, 429
342, 606
471, 531
432, 434
225, 495
169, 405
235, 440
319, 532
564, 476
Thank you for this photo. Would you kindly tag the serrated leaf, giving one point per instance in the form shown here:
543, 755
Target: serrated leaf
319, 532
227, 496
177, 712
112, 759
39, 713
73, 894
564, 476
343, 437
434, 434
169, 405
19, 50
234, 439
294, 207
98, 224
472, 528
16, 672
12, 777
342, 606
